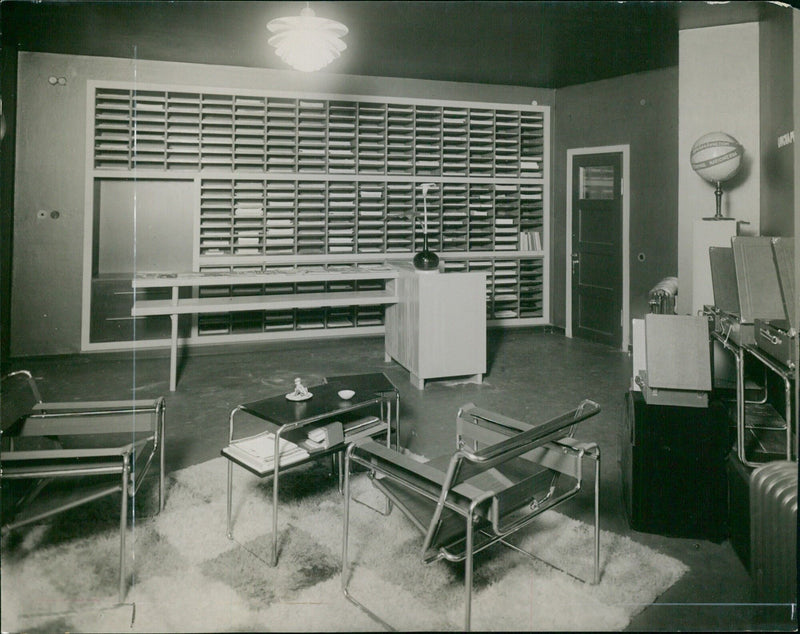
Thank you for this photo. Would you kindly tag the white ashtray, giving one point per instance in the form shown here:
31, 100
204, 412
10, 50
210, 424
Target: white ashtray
346, 395
298, 397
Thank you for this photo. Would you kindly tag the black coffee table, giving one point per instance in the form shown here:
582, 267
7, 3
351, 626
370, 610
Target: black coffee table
287, 423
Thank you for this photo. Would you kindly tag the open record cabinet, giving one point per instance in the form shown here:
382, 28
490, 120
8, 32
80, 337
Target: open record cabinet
274, 180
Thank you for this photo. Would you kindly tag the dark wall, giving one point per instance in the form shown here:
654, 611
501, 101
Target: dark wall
641, 111
8, 90
776, 86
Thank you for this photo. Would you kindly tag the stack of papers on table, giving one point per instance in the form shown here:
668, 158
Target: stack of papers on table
258, 452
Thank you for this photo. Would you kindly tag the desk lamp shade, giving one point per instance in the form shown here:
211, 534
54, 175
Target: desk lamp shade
716, 157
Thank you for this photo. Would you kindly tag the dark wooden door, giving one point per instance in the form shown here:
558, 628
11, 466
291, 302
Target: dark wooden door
597, 247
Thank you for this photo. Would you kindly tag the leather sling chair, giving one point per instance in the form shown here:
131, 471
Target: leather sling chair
503, 474
102, 447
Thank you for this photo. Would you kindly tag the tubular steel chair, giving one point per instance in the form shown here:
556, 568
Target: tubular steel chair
88, 442
502, 475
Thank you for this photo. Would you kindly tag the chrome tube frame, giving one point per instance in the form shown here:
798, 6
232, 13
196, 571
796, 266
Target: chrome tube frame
131, 478
590, 450
346, 571
385, 413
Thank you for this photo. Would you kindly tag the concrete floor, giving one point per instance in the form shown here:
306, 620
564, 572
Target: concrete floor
532, 375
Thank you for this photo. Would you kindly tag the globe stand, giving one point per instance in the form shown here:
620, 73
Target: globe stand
718, 195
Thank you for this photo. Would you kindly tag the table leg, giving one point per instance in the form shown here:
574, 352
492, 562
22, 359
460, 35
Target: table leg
740, 408
162, 458
397, 420
276, 472
340, 469
173, 351
230, 496
173, 354
387, 416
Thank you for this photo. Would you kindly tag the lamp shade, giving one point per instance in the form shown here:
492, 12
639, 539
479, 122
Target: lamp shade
716, 156
307, 42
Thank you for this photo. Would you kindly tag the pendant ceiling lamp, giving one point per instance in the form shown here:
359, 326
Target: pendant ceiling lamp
307, 42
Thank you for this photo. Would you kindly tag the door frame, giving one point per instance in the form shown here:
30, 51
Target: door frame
626, 221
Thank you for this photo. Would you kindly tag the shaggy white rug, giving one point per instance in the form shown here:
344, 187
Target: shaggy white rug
188, 577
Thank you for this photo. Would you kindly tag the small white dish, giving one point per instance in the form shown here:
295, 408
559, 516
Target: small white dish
294, 397
346, 395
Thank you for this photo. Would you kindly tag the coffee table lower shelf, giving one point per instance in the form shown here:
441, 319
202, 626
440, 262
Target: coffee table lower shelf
292, 456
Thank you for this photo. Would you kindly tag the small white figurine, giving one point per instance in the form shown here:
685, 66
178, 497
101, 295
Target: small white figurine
300, 390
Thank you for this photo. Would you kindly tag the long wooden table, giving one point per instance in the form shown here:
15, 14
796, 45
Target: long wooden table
196, 305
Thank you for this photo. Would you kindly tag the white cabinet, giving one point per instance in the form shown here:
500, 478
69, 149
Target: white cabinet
438, 327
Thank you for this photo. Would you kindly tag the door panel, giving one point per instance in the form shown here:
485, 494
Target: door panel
597, 247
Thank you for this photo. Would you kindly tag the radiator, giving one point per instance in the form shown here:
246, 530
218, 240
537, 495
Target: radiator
661, 298
773, 532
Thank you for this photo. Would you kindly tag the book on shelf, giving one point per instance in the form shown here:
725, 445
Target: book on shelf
530, 241
248, 211
324, 437
363, 427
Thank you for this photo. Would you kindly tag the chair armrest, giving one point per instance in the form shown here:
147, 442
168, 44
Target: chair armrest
59, 407
490, 428
382, 459
477, 424
584, 446
94, 418
60, 454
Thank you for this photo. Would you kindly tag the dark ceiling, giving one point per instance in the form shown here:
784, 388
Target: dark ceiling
540, 44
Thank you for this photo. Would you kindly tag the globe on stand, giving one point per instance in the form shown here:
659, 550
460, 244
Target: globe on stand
717, 157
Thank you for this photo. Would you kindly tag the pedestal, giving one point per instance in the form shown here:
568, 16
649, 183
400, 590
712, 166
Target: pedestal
438, 327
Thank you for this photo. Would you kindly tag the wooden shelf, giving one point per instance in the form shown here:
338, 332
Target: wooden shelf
279, 217
182, 130
197, 305
329, 179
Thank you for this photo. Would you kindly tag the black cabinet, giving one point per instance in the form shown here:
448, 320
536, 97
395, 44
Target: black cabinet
674, 480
